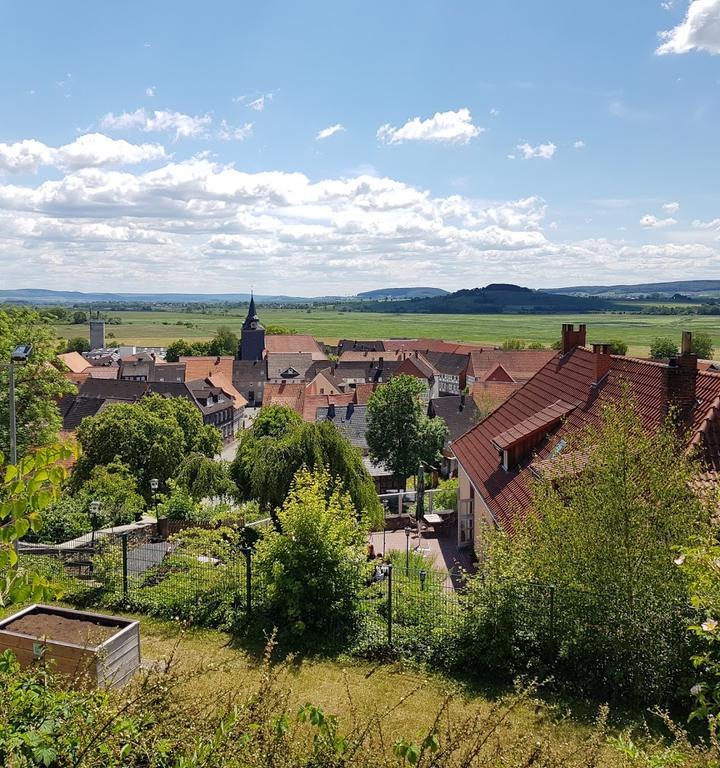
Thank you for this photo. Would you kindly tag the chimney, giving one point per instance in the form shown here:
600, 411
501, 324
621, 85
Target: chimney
331, 411
462, 401
602, 360
572, 338
682, 381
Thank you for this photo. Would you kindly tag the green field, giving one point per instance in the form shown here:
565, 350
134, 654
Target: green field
160, 328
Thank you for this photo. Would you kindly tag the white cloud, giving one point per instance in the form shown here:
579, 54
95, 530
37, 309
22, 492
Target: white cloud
239, 133
443, 127
671, 208
700, 30
258, 105
157, 121
198, 223
88, 151
511, 156
579, 144
331, 130
494, 112
543, 151
652, 222
150, 90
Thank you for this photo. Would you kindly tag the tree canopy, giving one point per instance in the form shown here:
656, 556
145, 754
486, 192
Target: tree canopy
399, 434
279, 444
38, 385
663, 347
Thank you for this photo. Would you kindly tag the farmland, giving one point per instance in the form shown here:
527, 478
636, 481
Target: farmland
160, 328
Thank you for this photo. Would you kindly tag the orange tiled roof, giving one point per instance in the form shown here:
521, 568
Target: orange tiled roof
521, 364
285, 343
489, 395
202, 367
312, 402
74, 361
221, 381
286, 393
571, 378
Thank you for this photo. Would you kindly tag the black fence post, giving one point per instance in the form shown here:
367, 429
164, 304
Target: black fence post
389, 603
248, 581
124, 538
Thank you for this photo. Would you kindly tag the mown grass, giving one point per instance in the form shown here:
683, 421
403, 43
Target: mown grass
160, 328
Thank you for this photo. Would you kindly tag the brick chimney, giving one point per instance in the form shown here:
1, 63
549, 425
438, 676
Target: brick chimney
682, 374
602, 361
572, 338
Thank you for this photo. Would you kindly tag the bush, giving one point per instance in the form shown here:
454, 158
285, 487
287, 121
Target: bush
663, 347
314, 569
445, 496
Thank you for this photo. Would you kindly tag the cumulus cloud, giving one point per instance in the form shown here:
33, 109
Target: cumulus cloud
88, 151
150, 90
700, 30
652, 222
158, 121
671, 208
579, 144
543, 151
331, 130
200, 223
442, 127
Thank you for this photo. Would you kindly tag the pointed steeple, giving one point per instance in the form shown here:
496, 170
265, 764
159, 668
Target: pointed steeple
252, 336
252, 320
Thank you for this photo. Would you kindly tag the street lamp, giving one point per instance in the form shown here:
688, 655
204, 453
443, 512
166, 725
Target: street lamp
18, 356
94, 509
408, 531
154, 484
423, 576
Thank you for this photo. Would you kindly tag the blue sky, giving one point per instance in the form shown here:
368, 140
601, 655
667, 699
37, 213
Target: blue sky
329, 147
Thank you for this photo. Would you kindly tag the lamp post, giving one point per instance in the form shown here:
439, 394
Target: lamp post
408, 531
19, 355
423, 576
94, 509
154, 485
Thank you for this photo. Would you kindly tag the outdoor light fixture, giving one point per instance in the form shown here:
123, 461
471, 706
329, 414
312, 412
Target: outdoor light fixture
423, 576
408, 531
94, 509
18, 356
154, 483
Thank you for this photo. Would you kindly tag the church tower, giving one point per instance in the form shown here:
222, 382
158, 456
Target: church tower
252, 336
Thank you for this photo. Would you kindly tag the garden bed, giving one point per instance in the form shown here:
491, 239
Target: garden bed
91, 648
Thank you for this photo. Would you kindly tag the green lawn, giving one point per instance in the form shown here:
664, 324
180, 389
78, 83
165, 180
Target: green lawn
160, 328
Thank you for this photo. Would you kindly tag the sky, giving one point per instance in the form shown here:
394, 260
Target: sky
316, 148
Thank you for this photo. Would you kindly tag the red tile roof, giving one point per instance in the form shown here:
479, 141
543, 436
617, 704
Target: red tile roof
521, 364
539, 422
489, 395
571, 378
201, 367
313, 402
498, 373
286, 393
297, 342
430, 345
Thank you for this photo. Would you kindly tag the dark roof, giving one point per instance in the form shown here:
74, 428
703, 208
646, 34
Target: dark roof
79, 409
459, 413
347, 345
350, 419
168, 389
120, 390
538, 422
169, 372
447, 363
572, 379
368, 370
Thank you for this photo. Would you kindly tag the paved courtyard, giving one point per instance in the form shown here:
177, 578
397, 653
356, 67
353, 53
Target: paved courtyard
440, 550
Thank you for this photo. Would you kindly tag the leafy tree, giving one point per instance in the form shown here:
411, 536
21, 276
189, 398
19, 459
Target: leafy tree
38, 384
177, 504
224, 342
279, 330
605, 536
618, 347
114, 487
198, 437
182, 348
536, 345
663, 347
399, 434
513, 344
314, 567
279, 444
79, 318
702, 345
149, 444
77, 344
27, 489
204, 478
445, 496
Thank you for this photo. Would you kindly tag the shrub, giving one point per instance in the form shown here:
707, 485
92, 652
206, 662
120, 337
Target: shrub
445, 496
663, 347
314, 568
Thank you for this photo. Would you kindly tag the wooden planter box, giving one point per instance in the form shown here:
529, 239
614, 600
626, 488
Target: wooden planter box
104, 650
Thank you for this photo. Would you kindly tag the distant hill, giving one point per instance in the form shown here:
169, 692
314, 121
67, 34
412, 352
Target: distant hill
497, 297
43, 296
692, 288
402, 293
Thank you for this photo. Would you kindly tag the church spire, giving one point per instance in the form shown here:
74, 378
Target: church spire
252, 317
252, 336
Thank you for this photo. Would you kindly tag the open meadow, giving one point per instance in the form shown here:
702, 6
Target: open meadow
637, 330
